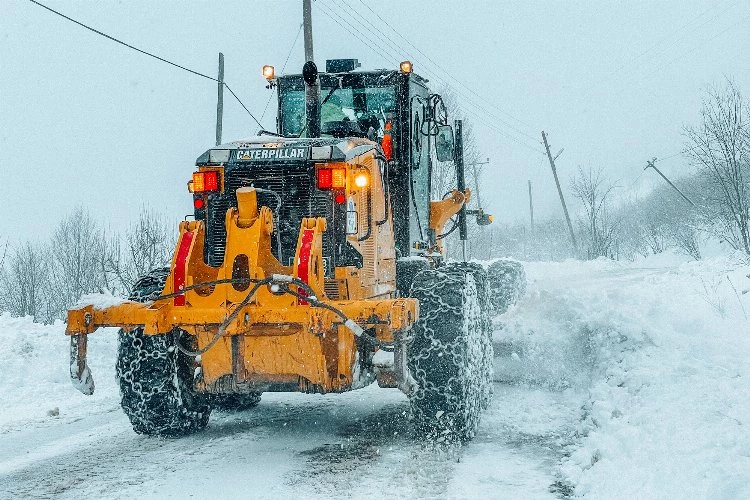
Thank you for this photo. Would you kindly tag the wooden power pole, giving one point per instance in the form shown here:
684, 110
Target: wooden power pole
307, 23
531, 207
684, 196
220, 100
559, 191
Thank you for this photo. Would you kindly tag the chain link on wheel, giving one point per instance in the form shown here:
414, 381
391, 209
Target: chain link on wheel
155, 378
481, 281
507, 284
447, 354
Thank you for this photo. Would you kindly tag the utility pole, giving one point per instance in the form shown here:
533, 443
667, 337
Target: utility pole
310, 75
651, 164
476, 178
220, 99
307, 22
458, 159
531, 207
559, 191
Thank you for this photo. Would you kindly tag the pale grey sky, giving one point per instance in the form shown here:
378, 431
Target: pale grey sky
84, 121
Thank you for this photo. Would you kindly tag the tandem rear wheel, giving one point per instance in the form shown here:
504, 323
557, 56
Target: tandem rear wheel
450, 352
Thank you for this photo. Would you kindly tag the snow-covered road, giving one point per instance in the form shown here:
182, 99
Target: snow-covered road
612, 381
295, 446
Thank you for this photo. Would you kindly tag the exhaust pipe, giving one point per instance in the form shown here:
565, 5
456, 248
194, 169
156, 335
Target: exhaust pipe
312, 99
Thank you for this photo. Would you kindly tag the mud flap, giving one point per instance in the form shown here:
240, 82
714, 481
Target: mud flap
80, 374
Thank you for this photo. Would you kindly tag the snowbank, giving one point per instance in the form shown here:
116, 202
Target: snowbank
663, 346
34, 378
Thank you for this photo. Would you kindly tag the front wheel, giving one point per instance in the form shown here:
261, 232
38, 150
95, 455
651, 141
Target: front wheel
445, 355
155, 377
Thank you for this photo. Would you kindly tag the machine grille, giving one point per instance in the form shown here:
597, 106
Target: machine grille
299, 199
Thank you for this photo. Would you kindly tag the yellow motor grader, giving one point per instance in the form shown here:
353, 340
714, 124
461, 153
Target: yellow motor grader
314, 263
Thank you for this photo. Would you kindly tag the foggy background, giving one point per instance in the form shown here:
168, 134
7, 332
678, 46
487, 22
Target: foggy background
85, 121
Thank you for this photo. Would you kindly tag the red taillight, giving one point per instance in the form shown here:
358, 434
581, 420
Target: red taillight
198, 203
325, 178
211, 181
204, 181
340, 198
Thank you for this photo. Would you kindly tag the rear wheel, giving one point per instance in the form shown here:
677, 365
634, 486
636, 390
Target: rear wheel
487, 362
506, 283
445, 355
155, 377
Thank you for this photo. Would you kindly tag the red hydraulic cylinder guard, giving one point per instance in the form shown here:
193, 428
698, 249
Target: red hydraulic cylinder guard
179, 267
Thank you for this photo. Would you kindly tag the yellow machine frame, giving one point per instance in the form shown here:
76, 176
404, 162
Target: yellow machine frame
274, 340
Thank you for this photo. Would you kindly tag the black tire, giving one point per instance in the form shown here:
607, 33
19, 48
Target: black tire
506, 283
406, 270
487, 364
445, 356
235, 402
155, 378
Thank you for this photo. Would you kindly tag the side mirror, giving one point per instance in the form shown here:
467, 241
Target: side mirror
444, 143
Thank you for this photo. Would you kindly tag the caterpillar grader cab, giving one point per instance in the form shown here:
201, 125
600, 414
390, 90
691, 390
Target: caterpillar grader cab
313, 263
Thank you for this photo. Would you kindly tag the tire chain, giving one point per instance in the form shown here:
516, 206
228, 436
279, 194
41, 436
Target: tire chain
485, 302
447, 355
154, 381
507, 284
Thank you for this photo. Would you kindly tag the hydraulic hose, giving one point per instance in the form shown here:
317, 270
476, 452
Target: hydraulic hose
282, 281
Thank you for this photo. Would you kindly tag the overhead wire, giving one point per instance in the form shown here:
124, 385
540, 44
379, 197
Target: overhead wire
291, 49
699, 45
369, 43
661, 64
449, 74
477, 107
664, 39
150, 54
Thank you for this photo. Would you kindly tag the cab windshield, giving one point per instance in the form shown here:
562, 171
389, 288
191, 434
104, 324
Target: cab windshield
359, 109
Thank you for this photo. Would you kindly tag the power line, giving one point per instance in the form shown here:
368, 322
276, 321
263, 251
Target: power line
294, 44
478, 107
699, 46
665, 39
428, 58
369, 42
663, 51
109, 37
242, 104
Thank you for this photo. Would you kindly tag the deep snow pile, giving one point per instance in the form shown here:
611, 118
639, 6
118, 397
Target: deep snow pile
34, 378
664, 349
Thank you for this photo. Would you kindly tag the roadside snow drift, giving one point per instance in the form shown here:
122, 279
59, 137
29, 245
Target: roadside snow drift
34, 375
664, 348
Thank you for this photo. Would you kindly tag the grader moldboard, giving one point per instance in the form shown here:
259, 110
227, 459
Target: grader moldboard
314, 263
